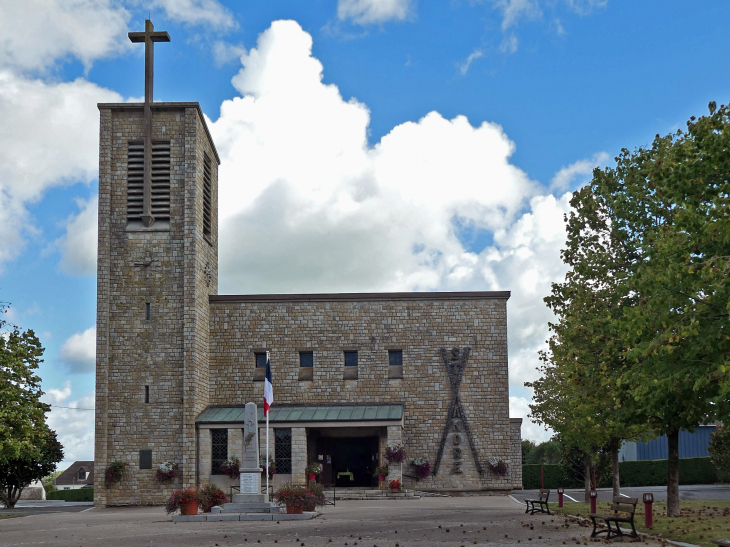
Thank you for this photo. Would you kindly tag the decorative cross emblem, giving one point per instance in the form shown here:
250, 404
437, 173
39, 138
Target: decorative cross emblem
149, 37
455, 362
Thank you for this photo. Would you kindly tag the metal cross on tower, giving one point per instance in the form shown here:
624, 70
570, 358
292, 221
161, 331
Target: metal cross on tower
455, 362
149, 37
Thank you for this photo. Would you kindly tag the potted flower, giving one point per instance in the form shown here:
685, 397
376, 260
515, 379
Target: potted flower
423, 467
381, 472
395, 485
395, 453
114, 473
498, 465
186, 500
315, 497
210, 496
231, 468
272, 466
313, 469
166, 471
294, 497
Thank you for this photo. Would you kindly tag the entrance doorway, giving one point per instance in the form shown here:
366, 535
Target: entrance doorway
348, 461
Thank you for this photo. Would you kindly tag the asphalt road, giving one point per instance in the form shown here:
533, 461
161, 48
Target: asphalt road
443, 522
686, 492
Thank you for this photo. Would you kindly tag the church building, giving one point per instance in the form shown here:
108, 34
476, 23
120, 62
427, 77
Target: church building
353, 374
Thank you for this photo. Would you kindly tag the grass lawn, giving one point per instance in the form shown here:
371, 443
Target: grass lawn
8, 516
699, 523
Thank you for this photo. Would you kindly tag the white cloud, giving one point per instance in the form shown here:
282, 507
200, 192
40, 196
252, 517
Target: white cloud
78, 246
307, 206
79, 352
365, 12
210, 13
563, 179
464, 67
74, 425
509, 44
37, 33
514, 10
50, 138
519, 408
224, 53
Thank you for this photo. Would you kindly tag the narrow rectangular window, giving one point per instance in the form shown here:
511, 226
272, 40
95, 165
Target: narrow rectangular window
219, 450
350, 358
207, 195
306, 359
148, 312
145, 459
146, 394
282, 451
260, 360
395, 358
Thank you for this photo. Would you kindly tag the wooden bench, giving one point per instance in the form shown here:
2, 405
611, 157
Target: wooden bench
623, 511
542, 501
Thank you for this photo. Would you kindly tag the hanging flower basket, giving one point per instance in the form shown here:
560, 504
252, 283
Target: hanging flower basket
231, 468
114, 473
166, 472
498, 466
262, 466
396, 453
422, 467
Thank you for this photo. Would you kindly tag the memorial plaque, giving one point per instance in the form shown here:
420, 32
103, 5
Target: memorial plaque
250, 483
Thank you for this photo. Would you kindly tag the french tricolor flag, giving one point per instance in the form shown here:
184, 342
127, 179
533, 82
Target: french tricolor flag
268, 387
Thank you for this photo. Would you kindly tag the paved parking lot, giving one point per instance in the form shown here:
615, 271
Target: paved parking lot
448, 522
686, 492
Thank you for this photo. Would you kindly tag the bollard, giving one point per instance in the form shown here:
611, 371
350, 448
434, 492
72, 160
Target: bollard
594, 495
561, 491
648, 516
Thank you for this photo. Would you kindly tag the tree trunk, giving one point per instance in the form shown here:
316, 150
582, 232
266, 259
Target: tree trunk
10, 496
587, 476
673, 479
615, 469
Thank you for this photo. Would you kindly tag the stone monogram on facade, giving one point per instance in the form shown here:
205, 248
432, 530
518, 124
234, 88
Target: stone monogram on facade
455, 363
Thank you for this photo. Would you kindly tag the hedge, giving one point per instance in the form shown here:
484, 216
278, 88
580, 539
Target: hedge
82, 494
636, 473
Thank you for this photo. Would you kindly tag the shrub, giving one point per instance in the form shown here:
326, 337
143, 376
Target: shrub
294, 495
82, 494
210, 496
178, 497
382, 470
719, 448
395, 484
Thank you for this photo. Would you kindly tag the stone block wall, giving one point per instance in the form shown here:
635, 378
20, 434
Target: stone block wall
172, 267
298, 455
516, 439
419, 324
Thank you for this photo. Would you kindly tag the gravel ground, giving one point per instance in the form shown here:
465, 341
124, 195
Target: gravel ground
462, 521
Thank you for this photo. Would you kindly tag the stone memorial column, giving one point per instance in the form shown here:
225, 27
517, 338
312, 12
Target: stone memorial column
250, 470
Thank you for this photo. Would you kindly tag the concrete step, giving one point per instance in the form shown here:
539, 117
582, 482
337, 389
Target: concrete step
217, 517
249, 507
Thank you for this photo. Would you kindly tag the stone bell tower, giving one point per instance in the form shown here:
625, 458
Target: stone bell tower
157, 265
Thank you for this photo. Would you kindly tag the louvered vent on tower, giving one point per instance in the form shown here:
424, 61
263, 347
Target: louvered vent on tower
160, 181
207, 195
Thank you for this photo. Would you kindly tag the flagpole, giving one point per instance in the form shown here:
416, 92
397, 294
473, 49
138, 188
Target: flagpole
267, 441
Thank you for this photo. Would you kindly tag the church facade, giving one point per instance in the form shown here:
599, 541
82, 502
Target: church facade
352, 373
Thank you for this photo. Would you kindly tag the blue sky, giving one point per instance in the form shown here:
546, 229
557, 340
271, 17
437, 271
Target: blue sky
425, 145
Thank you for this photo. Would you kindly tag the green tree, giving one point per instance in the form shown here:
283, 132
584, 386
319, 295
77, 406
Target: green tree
670, 204
719, 448
527, 447
29, 450
549, 452
578, 394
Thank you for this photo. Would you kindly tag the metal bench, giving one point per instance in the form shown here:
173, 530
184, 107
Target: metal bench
541, 501
623, 511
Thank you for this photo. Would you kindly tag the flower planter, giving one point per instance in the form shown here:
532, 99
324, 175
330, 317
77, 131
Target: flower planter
381, 478
312, 476
189, 508
310, 506
294, 509
395, 490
